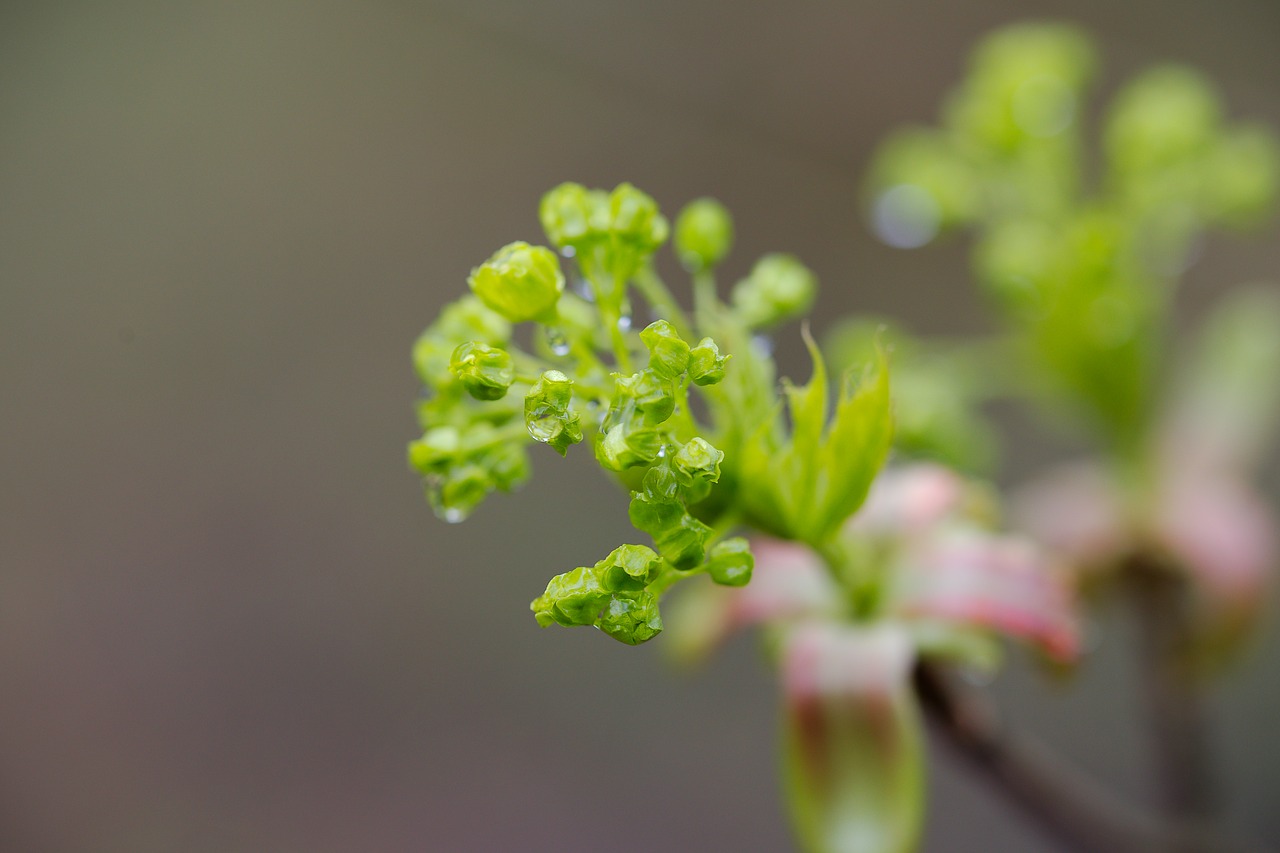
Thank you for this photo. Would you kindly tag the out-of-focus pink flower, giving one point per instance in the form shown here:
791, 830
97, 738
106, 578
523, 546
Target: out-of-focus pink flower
1075, 511
788, 584
1222, 532
971, 577
909, 498
1198, 507
1200, 511
938, 567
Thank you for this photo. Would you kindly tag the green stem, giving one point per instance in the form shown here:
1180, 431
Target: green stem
657, 295
682, 411
621, 352
705, 303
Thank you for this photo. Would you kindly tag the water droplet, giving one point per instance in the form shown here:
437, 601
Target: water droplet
624, 322
557, 342
763, 345
662, 451
568, 251
582, 287
453, 515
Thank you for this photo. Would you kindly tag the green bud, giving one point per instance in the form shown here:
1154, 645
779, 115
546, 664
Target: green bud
730, 563
520, 282
679, 536
684, 544
1243, 175
461, 490
660, 483
778, 288
464, 320
508, 465
629, 568
621, 448
485, 371
435, 451
697, 461
668, 353
653, 514
634, 219
631, 618
1015, 258
1165, 117
647, 393
704, 234
547, 415
1025, 82
573, 598
706, 364
573, 215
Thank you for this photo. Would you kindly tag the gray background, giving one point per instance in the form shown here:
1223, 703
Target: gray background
228, 620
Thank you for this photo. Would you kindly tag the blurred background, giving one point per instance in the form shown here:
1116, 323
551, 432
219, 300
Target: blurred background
228, 619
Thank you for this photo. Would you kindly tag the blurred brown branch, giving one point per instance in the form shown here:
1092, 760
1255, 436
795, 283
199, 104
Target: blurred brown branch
1070, 806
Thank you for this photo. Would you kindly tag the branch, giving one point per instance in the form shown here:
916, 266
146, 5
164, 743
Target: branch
1068, 805
1174, 704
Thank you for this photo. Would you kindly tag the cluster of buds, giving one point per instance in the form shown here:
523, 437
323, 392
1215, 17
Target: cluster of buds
589, 379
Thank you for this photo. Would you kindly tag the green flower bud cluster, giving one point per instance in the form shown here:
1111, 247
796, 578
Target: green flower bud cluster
465, 452
660, 508
1084, 269
460, 467
611, 234
588, 376
460, 322
778, 288
1169, 147
704, 234
611, 595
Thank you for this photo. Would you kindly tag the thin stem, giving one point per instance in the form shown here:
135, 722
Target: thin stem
1174, 704
659, 297
1068, 806
683, 412
705, 301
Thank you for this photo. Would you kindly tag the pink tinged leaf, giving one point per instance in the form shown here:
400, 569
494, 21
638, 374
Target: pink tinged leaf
1075, 511
1003, 583
1223, 533
853, 762
909, 498
788, 583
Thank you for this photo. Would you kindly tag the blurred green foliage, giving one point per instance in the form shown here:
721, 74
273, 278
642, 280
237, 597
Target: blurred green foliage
1082, 266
